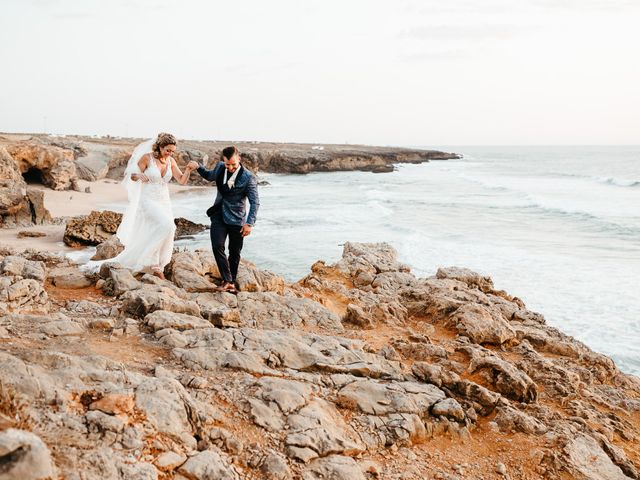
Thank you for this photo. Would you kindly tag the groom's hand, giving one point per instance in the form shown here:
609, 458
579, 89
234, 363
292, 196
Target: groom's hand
192, 165
245, 230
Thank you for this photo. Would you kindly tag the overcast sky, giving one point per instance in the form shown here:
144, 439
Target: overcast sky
393, 72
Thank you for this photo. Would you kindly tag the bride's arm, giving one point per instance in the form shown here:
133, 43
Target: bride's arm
180, 177
143, 163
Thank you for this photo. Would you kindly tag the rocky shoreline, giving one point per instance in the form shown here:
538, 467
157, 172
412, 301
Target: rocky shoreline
29, 163
95, 157
358, 371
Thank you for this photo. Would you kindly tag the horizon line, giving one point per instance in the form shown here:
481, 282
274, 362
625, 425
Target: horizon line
422, 146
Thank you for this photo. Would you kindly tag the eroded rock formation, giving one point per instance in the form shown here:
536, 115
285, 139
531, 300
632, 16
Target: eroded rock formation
20, 205
358, 371
98, 227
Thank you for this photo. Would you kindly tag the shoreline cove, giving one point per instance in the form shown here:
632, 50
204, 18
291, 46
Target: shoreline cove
572, 247
356, 366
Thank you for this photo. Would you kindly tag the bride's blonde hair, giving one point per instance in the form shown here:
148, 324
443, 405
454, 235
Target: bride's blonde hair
162, 141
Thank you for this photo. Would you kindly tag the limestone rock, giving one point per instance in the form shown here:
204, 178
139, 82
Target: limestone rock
30, 234
356, 315
378, 398
419, 350
22, 267
62, 328
334, 467
118, 280
108, 249
449, 408
266, 416
261, 351
252, 279
191, 271
69, 277
471, 278
9, 169
86, 308
114, 404
138, 471
220, 309
510, 419
319, 429
166, 405
24, 456
39, 213
275, 467
179, 321
186, 227
438, 376
100, 422
382, 431
148, 299
92, 229
270, 310
14, 204
585, 459
25, 294
93, 160
482, 325
208, 465
54, 165
21, 377
169, 461
506, 378
373, 257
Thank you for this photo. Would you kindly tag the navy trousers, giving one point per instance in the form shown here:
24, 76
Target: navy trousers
219, 232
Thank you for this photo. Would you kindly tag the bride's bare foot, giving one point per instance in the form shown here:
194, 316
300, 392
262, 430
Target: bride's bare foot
158, 273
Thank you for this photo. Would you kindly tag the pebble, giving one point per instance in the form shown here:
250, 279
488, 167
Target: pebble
493, 426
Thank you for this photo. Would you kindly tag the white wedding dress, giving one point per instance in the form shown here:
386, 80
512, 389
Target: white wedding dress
147, 228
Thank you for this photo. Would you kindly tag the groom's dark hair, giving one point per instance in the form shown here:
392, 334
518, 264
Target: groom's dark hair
228, 152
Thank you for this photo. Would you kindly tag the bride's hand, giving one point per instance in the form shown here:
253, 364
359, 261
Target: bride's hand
139, 176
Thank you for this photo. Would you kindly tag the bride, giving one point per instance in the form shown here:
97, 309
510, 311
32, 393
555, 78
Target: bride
147, 228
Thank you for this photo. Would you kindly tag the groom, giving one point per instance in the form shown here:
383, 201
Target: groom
235, 185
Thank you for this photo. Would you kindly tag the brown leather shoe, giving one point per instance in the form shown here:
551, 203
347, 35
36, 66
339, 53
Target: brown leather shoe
228, 287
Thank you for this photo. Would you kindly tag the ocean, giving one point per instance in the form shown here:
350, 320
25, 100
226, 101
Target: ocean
558, 227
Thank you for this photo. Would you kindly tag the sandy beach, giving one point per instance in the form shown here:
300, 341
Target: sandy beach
67, 203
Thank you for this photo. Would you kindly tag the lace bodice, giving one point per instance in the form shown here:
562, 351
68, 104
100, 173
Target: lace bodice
154, 175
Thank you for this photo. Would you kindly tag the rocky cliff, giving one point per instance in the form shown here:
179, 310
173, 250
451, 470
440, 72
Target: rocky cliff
28, 161
96, 158
19, 204
358, 371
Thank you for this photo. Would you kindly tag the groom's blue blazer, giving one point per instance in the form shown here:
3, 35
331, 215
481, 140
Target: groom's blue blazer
233, 201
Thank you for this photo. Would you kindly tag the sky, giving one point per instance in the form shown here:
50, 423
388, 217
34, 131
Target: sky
382, 72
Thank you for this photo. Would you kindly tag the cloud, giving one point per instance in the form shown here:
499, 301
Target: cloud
454, 6
493, 7
447, 42
472, 32
255, 69
447, 54
604, 5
